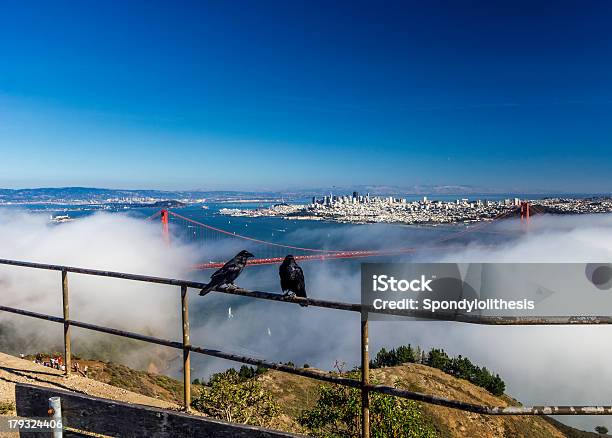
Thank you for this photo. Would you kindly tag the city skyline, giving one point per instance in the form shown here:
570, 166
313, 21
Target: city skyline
201, 95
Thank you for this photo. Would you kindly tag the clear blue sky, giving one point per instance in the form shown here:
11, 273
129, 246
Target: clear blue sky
260, 94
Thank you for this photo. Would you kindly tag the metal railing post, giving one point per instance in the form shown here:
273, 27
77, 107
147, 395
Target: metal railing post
67, 348
55, 412
363, 384
186, 349
365, 379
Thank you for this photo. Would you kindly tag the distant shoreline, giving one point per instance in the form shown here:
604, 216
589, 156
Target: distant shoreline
352, 210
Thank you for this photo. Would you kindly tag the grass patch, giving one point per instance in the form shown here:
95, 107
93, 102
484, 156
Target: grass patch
6, 407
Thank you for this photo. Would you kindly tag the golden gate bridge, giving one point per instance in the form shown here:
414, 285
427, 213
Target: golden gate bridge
273, 252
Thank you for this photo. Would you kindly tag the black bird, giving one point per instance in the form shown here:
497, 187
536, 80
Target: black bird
227, 274
292, 278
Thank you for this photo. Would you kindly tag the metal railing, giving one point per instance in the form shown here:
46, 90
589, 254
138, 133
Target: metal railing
363, 385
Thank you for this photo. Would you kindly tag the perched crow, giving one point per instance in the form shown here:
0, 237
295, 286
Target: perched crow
292, 278
228, 273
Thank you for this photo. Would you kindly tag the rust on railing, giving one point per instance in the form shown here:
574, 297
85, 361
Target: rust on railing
468, 319
186, 351
365, 378
66, 312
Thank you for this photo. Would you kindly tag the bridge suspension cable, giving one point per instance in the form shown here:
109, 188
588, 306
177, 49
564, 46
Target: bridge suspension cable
274, 252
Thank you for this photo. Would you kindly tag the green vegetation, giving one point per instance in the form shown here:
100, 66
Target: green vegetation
297, 404
396, 356
231, 397
152, 385
6, 407
602, 430
459, 366
244, 373
247, 372
337, 414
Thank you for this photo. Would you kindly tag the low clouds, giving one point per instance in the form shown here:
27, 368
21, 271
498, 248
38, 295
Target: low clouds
565, 365
101, 241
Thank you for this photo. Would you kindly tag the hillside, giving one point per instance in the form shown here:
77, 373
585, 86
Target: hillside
14, 370
149, 384
295, 393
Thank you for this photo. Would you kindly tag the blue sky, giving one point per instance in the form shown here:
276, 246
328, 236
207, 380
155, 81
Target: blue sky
271, 95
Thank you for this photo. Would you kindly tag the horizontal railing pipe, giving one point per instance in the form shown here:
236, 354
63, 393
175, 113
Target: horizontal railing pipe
439, 316
492, 410
364, 386
331, 378
32, 314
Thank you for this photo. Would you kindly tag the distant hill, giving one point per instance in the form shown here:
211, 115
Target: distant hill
101, 195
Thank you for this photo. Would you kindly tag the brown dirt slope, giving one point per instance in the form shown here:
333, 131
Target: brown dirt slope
455, 423
14, 370
142, 382
296, 393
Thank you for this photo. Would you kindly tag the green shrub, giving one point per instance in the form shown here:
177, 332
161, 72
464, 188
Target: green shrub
232, 398
6, 407
337, 414
463, 368
602, 430
244, 373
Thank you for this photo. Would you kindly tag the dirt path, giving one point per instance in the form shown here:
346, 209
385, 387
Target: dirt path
14, 370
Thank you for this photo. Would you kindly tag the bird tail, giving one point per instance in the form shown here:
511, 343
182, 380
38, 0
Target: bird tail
303, 303
210, 286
